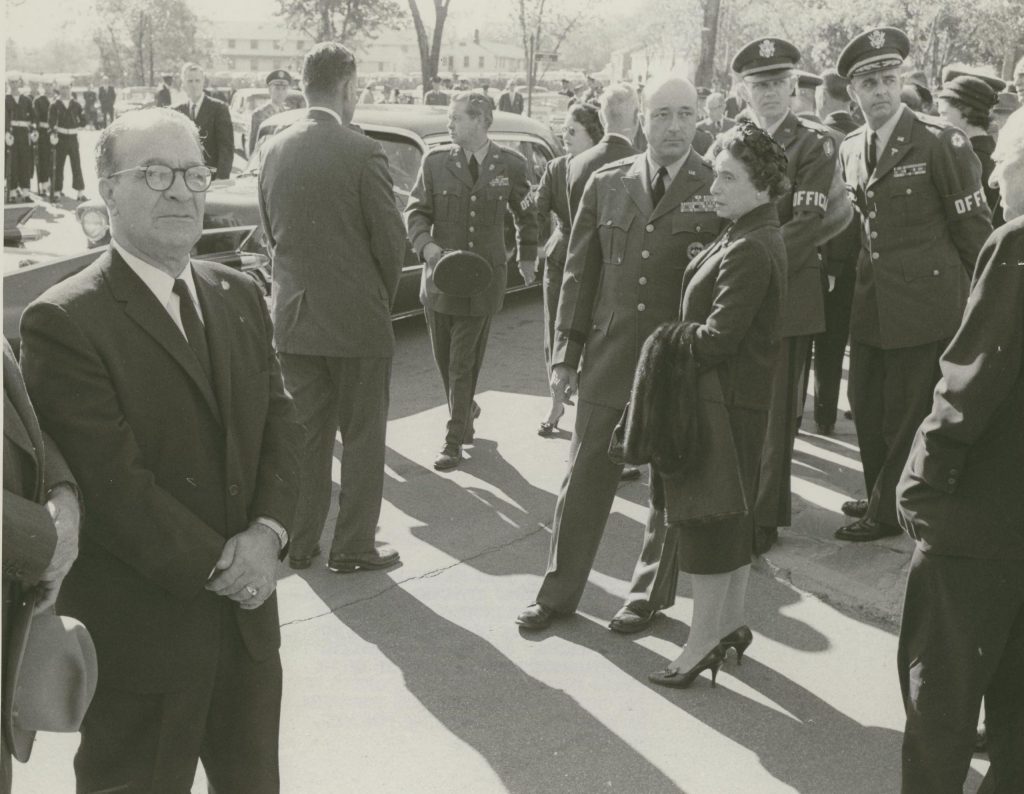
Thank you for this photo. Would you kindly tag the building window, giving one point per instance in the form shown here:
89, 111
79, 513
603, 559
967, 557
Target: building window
465, 61
254, 44
231, 44
277, 44
481, 61
254, 65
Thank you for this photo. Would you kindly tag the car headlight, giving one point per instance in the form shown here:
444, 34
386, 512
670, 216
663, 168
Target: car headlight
94, 224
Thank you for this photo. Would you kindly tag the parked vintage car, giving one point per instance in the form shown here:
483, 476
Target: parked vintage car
232, 225
245, 102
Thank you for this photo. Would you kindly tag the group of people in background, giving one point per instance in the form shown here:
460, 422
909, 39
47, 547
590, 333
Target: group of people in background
697, 267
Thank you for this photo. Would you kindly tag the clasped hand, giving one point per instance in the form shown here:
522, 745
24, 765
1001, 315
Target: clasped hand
248, 562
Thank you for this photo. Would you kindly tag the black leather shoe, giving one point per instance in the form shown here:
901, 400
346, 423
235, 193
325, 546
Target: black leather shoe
630, 473
866, 529
380, 557
855, 508
536, 617
449, 458
764, 539
825, 430
632, 618
301, 563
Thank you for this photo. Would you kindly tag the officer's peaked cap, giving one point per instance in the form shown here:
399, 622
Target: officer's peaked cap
874, 50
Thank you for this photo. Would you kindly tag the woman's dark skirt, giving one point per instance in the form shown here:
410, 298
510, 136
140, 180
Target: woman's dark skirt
722, 546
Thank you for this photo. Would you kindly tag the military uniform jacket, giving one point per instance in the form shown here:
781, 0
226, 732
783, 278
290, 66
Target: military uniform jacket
960, 491
41, 106
448, 209
923, 220
259, 115
553, 197
69, 116
811, 152
436, 98
22, 111
625, 268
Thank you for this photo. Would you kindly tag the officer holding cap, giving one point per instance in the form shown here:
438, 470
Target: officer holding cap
460, 202
966, 100
278, 82
766, 68
917, 188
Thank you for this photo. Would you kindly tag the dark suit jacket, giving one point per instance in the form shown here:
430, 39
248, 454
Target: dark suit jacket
553, 197
32, 466
624, 269
960, 493
163, 97
702, 140
337, 239
734, 290
607, 150
170, 466
511, 103
216, 133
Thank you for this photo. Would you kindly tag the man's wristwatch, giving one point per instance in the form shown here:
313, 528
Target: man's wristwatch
277, 529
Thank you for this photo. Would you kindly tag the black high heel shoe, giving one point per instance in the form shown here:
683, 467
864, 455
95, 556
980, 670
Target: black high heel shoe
739, 640
680, 680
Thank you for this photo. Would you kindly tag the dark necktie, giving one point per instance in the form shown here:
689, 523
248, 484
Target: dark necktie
194, 331
658, 188
872, 158
474, 168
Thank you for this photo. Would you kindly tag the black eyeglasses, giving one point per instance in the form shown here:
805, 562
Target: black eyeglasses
197, 178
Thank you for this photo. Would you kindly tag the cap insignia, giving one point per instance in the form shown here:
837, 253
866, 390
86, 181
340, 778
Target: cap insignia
767, 48
877, 39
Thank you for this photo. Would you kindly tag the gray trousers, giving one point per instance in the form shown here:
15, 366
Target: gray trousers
459, 343
332, 393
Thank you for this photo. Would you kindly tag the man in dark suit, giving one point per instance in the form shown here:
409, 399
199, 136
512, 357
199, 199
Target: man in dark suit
620, 115
460, 201
510, 100
435, 96
338, 245
40, 538
157, 377
839, 257
716, 121
923, 217
213, 119
962, 633
640, 221
163, 93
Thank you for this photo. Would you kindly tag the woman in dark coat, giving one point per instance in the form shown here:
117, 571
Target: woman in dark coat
582, 130
732, 292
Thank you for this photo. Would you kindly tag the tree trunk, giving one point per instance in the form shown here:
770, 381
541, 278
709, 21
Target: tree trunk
430, 49
708, 40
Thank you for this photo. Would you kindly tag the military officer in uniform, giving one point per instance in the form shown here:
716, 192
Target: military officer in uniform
766, 67
22, 120
278, 83
435, 96
640, 221
459, 202
44, 151
917, 188
839, 257
803, 102
66, 119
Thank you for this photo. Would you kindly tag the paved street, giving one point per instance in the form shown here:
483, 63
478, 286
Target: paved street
417, 680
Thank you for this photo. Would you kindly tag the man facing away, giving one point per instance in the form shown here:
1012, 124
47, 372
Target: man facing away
639, 221
338, 244
156, 376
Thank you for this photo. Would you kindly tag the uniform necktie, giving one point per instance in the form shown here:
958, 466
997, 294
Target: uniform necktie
194, 331
474, 168
658, 188
872, 158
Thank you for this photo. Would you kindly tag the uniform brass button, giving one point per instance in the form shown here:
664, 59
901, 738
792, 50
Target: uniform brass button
871, 194
873, 234
643, 280
874, 255
470, 243
607, 223
234, 490
951, 480
909, 191
472, 214
645, 254
471, 228
871, 214
698, 228
472, 198
935, 272
650, 227
954, 472
641, 307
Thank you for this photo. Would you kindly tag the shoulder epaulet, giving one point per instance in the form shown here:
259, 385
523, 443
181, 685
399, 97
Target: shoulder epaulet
813, 125
616, 164
441, 151
506, 150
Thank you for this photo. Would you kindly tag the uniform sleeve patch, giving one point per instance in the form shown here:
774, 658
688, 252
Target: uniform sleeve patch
967, 203
910, 169
810, 199
958, 139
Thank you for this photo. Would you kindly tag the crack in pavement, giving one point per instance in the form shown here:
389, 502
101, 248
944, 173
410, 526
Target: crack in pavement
541, 527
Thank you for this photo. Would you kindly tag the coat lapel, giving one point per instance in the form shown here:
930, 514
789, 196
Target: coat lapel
490, 168
897, 147
142, 307
20, 423
634, 181
683, 186
785, 133
458, 165
221, 327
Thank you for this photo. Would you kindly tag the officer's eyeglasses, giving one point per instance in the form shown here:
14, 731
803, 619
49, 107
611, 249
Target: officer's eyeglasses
197, 178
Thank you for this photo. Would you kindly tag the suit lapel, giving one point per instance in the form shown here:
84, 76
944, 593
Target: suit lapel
20, 423
221, 326
634, 181
458, 165
897, 147
683, 186
142, 307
